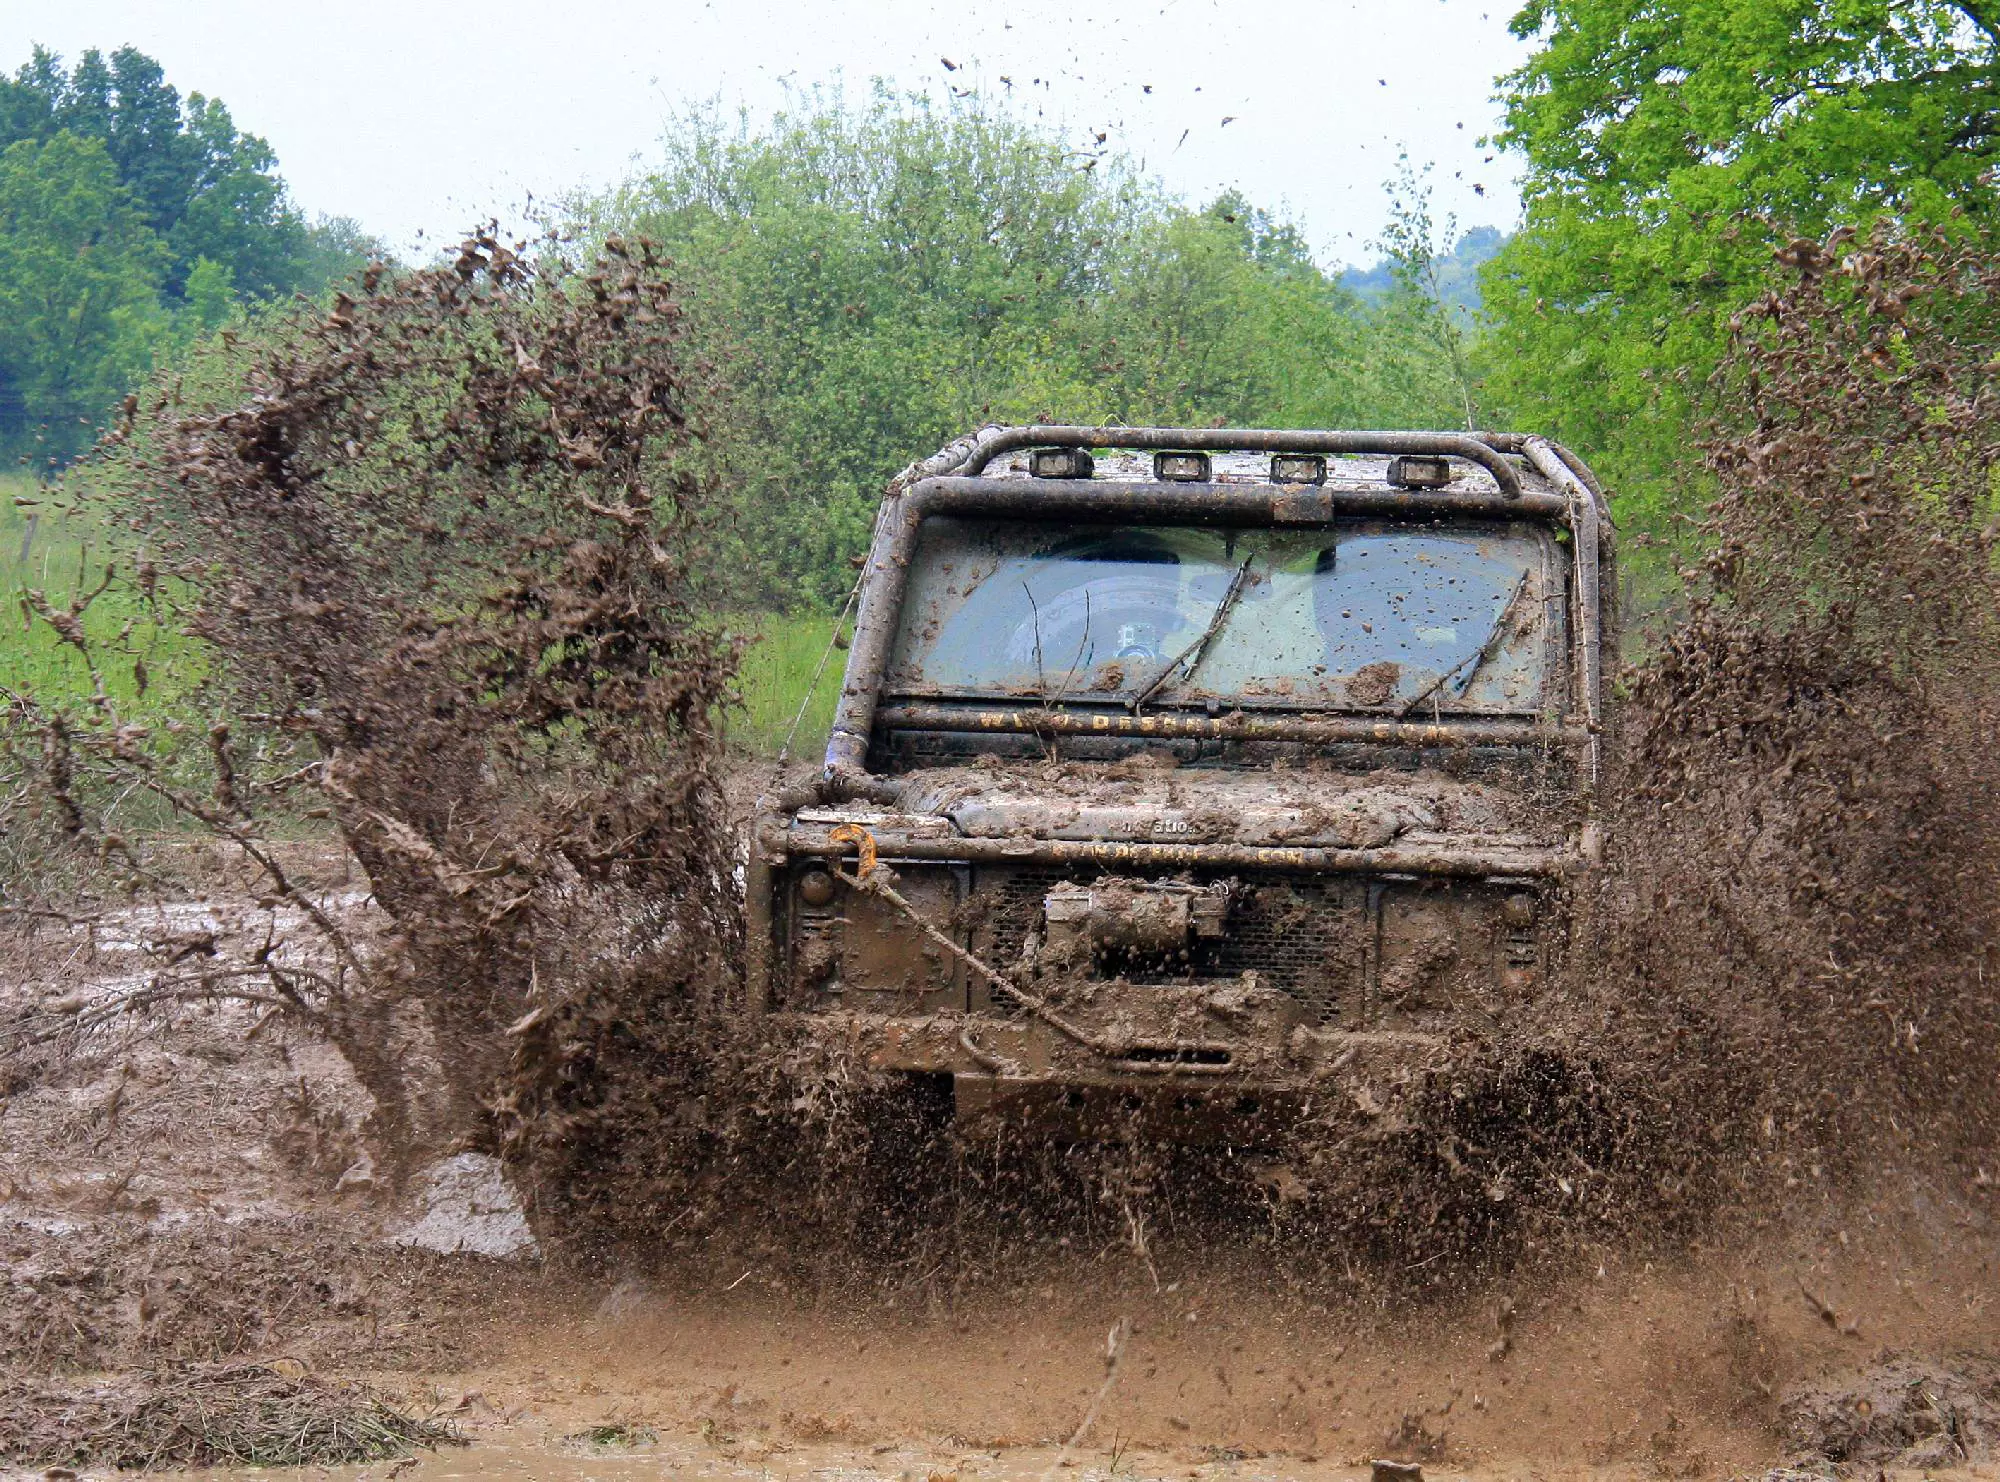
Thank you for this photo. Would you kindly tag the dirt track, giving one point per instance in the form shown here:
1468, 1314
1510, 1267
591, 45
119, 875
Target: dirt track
191, 1190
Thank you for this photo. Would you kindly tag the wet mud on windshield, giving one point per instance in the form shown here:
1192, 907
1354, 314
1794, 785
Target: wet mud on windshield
1369, 616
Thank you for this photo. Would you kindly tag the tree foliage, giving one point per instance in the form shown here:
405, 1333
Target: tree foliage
874, 278
1671, 149
1457, 270
204, 187
79, 273
132, 219
1421, 309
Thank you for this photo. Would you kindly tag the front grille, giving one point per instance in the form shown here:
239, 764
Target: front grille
1301, 934
1007, 906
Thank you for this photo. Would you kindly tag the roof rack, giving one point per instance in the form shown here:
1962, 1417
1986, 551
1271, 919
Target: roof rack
968, 458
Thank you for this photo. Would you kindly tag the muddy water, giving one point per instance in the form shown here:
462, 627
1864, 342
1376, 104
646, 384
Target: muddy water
1620, 1371
1608, 1367
528, 1457
694, 1460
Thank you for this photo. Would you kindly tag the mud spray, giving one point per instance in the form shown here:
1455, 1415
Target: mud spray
454, 554
1806, 896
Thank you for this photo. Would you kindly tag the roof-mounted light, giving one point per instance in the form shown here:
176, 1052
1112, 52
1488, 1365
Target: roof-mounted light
1181, 468
1420, 471
1060, 463
1298, 468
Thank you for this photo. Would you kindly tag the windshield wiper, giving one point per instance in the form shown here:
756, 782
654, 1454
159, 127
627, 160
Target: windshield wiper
1496, 636
1195, 652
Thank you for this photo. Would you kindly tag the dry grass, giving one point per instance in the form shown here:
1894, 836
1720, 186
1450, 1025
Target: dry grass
221, 1415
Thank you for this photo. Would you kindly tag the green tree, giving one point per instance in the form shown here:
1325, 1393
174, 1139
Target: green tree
1457, 270
211, 295
872, 280
1671, 149
1418, 314
204, 187
236, 210
79, 282
1221, 316
139, 220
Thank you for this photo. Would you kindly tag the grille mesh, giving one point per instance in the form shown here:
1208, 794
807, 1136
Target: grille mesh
1301, 934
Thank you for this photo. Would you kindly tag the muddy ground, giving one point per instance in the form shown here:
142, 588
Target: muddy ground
184, 1188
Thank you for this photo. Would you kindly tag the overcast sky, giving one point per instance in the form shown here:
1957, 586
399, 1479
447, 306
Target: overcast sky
424, 115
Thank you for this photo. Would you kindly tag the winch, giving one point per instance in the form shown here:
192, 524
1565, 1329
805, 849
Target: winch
1152, 918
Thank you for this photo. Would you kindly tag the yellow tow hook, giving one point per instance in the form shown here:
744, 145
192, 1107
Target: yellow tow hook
864, 843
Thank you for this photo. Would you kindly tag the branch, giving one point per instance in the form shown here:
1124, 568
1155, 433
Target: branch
200, 991
1976, 12
272, 869
157, 992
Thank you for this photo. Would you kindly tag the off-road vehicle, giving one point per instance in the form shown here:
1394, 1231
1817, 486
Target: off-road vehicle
1197, 771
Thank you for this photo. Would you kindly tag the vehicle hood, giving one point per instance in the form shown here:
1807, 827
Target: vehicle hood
1304, 808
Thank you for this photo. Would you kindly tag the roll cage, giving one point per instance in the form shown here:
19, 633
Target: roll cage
1497, 476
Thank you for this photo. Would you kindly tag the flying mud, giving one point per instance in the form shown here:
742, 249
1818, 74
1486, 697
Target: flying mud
453, 554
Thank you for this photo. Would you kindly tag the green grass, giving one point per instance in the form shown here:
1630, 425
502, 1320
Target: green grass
777, 673
37, 546
46, 546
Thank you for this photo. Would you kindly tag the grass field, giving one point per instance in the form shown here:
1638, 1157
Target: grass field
56, 552
48, 548
777, 673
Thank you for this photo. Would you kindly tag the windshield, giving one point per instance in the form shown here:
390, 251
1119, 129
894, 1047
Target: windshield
1367, 615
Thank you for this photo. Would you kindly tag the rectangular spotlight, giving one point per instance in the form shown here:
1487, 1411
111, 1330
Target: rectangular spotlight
1060, 463
1181, 468
1298, 468
1420, 471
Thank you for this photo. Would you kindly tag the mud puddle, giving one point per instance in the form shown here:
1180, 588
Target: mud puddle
569, 1447
187, 1187
670, 1457
1631, 1373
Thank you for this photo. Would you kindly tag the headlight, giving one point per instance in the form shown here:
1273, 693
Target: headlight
817, 887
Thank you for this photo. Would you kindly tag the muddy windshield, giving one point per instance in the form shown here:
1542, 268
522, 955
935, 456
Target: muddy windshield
1369, 616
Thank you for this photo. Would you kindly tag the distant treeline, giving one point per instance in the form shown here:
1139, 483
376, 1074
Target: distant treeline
873, 278
1457, 270
870, 277
131, 220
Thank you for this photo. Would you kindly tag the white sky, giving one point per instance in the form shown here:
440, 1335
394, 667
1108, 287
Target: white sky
426, 115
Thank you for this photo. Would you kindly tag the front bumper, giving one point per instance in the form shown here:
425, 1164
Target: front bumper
1338, 972
1025, 1074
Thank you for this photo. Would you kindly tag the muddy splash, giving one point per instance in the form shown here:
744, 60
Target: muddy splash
454, 553
1799, 930
449, 555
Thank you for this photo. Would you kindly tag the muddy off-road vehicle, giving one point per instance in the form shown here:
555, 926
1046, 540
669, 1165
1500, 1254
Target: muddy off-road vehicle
1192, 772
